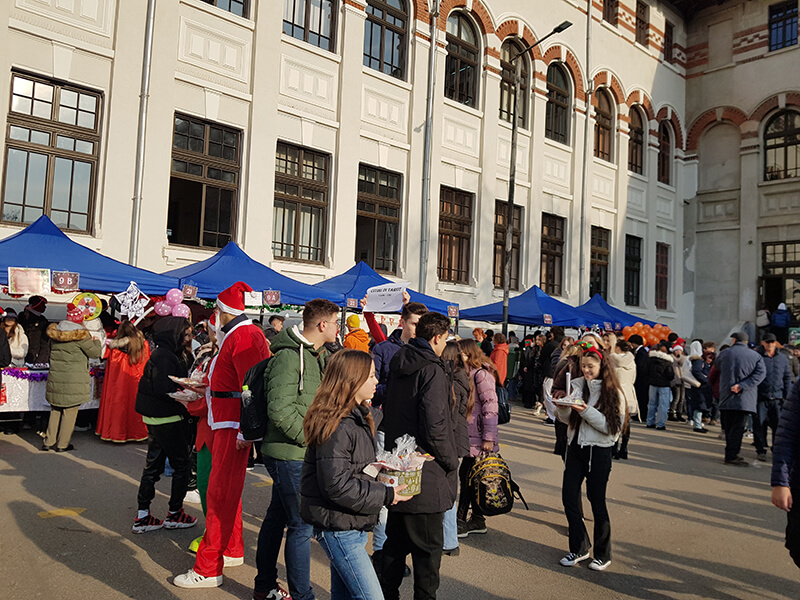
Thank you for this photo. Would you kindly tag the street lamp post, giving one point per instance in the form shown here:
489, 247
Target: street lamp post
512, 171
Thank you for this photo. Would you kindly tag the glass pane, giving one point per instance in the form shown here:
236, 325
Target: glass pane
19, 133
214, 173
84, 147
78, 221
180, 141
42, 110
214, 149
225, 211
68, 98
229, 153
211, 213
37, 178
22, 86
81, 183
65, 143
195, 144
195, 169
181, 125
40, 137
60, 218
15, 177
215, 134
62, 182
86, 119
229, 138
31, 214
179, 166
21, 105
88, 103
196, 129
67, 115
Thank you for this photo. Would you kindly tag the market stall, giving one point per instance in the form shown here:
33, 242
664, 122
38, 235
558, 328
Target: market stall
533, 307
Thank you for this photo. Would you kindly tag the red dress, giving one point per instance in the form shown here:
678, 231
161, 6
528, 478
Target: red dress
118, 420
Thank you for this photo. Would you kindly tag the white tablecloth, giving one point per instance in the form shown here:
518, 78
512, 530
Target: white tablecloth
23, 395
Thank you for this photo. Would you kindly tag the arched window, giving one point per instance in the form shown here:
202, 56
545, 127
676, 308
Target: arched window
782, 146
557, 114
461, 70
603, 126
636, 143
385, 37
508, 51
664, 152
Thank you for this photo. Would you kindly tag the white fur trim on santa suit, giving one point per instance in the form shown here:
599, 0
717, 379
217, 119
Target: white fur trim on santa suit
227, 309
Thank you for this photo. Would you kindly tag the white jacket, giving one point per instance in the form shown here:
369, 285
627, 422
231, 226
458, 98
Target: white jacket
626, 373
19, 347
594, 429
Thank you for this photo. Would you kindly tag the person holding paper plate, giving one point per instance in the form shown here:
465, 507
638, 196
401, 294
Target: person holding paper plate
594, 413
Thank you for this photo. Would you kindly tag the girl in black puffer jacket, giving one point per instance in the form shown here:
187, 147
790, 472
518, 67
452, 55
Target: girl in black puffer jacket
337, 497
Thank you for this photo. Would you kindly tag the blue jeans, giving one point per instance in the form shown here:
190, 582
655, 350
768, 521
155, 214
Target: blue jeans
379, 531
352, 574
450, 529
284, 512
658, 406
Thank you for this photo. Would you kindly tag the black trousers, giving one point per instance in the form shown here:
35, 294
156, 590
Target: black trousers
465, 498
594, 465
423, 537
170, 440
734, 423
769, 412
560, 447
793, 528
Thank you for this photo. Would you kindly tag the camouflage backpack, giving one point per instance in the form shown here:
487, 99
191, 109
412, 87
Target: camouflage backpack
491, 485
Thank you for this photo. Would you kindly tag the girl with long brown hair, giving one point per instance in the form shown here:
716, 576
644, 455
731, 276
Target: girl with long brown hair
482, 426
594, 426
337, 496
117, 419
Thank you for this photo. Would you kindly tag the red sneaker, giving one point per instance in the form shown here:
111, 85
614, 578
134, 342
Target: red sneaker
179, 520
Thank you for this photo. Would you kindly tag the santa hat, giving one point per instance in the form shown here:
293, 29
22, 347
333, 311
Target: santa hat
74, 313
231, 301
677, 347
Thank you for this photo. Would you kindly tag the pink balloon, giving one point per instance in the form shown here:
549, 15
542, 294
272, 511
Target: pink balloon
162, 308
174, 297
181, 310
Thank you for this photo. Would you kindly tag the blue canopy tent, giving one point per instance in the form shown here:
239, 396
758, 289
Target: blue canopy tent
355, 282
608, 314
529, 308
42, 245
232, 264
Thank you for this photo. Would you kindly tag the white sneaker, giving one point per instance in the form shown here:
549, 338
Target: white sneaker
192, 497
233, 561
191, 579
570, 560
599, 565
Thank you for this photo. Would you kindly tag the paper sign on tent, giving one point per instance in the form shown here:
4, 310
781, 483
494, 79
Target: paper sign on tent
385, 298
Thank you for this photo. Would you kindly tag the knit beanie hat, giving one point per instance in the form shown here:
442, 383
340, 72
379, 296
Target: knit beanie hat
353, 322
74, 313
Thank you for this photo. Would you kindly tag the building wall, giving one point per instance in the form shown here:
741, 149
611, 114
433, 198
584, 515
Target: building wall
247, 74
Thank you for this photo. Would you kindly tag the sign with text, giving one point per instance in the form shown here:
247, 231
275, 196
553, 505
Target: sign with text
452, 311
271, 297
352, 303
548, 319
607, 326
190, 292
385, 298
66, 281
25, 281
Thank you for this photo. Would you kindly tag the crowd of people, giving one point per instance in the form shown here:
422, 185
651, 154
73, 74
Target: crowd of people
331, 407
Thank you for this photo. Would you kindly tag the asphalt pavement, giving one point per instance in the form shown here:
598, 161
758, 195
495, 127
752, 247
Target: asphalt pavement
684, 525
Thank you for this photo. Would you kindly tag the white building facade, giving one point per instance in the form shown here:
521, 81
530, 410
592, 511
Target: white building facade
297, 129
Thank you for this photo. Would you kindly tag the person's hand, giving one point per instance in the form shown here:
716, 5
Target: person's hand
242, 444
487, 446
406, 297
736, 388
782, 497
398, 497
363, 302
578, 408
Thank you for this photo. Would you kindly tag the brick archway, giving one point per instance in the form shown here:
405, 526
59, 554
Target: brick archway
564, 56
676, 124
479, 13
727, 114
640, 98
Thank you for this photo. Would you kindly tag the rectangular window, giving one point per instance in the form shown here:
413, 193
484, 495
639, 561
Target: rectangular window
52, 147
782, 25
633, 269
311, 21
610, 8
552, 254
642, 23
455, 232
669, 43
780, 268
662, 276
378, 218
301, 203
500, 212
238, 7
598, 279
204, 185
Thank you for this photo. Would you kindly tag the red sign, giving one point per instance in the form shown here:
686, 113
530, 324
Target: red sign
548, 319
190, 291
66, 281
452, 311
352, 303
272, 297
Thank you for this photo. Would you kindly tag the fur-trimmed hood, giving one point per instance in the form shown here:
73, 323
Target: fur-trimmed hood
661, 355
62, 334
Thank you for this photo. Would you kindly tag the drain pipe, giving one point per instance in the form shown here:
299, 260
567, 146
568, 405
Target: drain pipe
426, 158
583, 289
144, 95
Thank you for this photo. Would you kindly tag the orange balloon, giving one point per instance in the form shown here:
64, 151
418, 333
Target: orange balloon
627, 332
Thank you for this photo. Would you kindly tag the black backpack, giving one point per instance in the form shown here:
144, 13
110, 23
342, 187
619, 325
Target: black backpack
253, 421
491, 486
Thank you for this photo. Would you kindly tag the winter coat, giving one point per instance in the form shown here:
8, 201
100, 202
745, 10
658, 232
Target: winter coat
291, 379
358, 339
499, 357
418, 403
335, 493
699, 398
270, 333
625, 366
460, 416
382, 355
68, 382
739, 365
483, 420
640, 359
18, 344
713, 380
152, 399
660, 371
5, 351
786, 446
547, 351
594, 427
794, 364
778, 378
35, 328
781, 318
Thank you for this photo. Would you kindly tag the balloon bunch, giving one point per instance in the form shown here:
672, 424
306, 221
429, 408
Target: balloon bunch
172, 305
650, 335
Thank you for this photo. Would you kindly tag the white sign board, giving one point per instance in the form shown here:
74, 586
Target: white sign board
385, 298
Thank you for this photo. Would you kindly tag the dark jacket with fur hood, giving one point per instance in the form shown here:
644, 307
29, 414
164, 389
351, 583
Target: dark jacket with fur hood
167, 359
660, 372
68, 382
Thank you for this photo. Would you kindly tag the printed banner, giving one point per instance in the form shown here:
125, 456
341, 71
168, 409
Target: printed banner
385, 298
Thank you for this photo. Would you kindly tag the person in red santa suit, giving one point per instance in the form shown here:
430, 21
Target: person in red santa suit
242, 345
